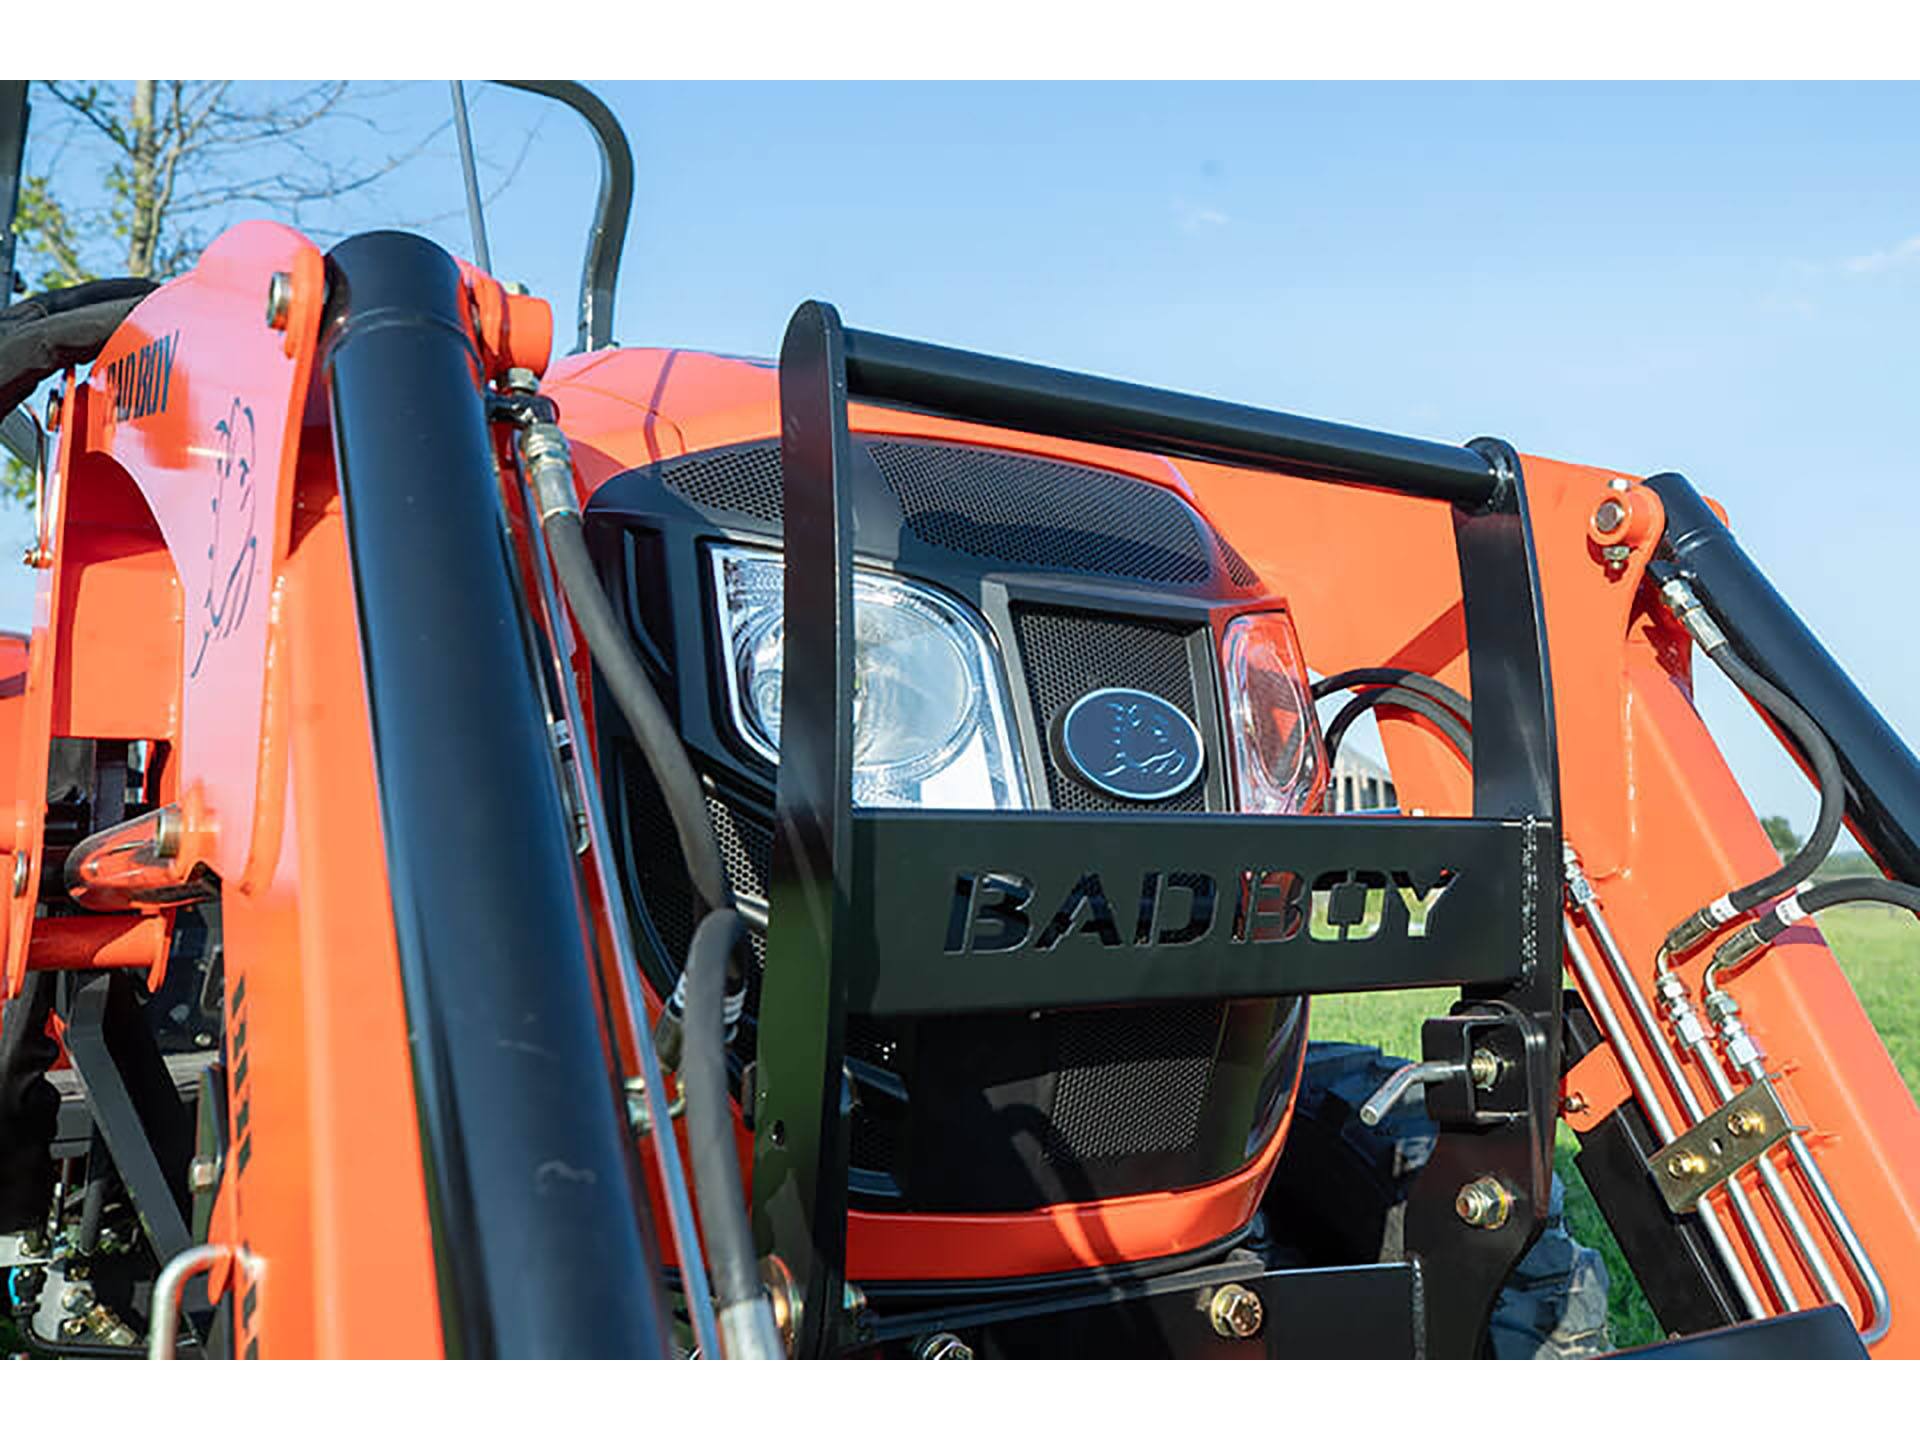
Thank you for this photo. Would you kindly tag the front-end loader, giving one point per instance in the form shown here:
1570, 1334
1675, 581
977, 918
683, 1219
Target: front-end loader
437, 928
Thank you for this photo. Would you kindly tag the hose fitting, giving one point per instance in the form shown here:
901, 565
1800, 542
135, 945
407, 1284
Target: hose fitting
1688, 610
549, 462
1736, 948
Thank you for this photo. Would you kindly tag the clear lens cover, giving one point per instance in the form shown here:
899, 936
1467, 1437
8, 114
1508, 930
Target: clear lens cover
930, 725
1278, 756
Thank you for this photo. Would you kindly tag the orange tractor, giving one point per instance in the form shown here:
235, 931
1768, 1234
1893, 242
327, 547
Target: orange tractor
436, 928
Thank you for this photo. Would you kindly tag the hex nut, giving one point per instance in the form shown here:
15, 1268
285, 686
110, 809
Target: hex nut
943, 1346
1687, 1165
1236, 1312
1484, 1204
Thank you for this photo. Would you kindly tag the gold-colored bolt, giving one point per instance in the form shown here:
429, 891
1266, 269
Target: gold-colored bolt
1484, 1204
53, 411
1484, 1067
1609, 517
1687, 1165
1236, 1312
1744, 1123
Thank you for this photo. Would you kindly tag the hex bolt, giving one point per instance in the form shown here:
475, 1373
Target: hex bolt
943, 1346
1485, 1067
1484, 1204
1609, 517
1687, 1165
521, 381
203, 1172
1744, 1123
279, 299
1236, 1312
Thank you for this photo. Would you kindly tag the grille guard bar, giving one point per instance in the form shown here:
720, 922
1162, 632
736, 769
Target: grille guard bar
863, 907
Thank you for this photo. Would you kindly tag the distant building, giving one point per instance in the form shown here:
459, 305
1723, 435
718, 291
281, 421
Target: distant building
1359, 784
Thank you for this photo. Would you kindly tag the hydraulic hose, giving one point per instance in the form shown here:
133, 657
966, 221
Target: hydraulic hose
1418, 702
1392, 675
1813, 744
633, 692
746, 1319
1811, 901
712, 990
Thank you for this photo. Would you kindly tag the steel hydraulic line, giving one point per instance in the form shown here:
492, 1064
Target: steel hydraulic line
673, 1181
1783, 1201
1656, 1036
1745, 1054
1656, 1113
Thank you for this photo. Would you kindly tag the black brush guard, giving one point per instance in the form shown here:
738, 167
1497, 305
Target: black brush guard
901, 912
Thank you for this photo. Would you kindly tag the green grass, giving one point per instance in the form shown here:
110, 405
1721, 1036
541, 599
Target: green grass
1879, 948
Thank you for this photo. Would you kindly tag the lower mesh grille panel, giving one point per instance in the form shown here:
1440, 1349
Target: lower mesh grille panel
1067, 654
1132, 1082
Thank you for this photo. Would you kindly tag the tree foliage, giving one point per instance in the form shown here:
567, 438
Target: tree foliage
136, 177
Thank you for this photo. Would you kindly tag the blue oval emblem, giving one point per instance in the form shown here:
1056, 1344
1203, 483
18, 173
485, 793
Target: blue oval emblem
1130, 744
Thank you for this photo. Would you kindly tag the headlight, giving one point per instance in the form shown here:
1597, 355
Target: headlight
930, 709
1278, 759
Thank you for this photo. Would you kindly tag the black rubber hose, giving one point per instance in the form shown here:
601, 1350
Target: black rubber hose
1852, 890
1446, 722
1826, 770
1828, 778
633, 692
731, 1258
1406, 679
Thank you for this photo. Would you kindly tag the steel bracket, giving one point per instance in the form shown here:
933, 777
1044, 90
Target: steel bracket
1720, 1146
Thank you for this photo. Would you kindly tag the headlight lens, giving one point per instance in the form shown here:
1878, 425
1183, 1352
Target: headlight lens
930, 709
1278, 757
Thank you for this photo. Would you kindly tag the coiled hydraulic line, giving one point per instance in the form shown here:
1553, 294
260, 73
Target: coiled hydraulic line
1450, 712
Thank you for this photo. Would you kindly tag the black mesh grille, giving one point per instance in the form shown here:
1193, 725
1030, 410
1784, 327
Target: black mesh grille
746, 480
1238, 570
1043, 513
1132, 1082
1068, 653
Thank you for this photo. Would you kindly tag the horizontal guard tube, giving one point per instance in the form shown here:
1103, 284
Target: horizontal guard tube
991, 391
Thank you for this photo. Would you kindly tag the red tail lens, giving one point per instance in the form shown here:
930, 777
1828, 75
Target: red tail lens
1279, 762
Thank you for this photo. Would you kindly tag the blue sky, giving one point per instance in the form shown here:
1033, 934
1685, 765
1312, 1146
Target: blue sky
1719, 279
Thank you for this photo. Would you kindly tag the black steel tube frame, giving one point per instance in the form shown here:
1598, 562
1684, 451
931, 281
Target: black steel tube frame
612, 209
537, 1207
1882, 774
13, 158
835, 935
